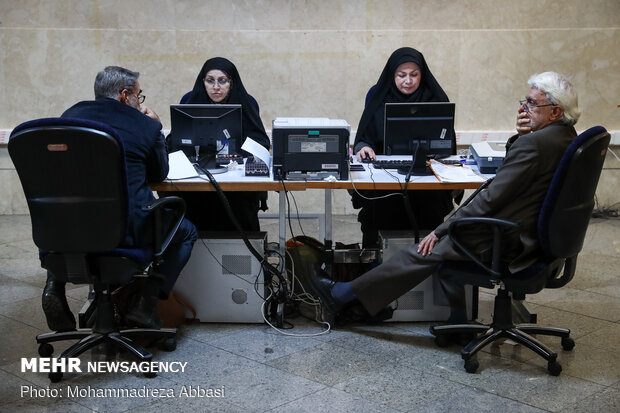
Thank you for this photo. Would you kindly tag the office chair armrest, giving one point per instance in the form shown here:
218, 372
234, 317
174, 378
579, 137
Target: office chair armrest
476, 192
170, 203
569, 271
498, 226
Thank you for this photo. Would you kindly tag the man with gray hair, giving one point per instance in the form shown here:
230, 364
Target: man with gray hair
118, 103
545, 122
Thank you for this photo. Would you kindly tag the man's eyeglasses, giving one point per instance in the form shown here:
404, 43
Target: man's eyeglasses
222, 81
529, 104
141, 97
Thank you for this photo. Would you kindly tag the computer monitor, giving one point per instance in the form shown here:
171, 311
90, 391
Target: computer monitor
202, 131
420, 129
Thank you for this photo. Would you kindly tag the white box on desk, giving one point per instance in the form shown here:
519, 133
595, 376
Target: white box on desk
425, 302
222, 277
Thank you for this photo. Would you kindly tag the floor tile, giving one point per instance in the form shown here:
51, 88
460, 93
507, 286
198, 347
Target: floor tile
607, 400
12, 290
399, 387
263, 387
327, 364
263, 343
333, 401
475, 401
534, 386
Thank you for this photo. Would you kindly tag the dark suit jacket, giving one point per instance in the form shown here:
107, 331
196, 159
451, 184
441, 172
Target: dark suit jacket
517, 193
145, 155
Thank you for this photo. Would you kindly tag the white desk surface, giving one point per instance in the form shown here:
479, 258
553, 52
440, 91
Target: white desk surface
371, 178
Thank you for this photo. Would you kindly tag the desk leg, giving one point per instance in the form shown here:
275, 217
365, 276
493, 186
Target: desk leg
328, 218
282, 223
329, 251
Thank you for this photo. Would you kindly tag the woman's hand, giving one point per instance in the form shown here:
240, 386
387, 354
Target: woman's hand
426, 245
366, 152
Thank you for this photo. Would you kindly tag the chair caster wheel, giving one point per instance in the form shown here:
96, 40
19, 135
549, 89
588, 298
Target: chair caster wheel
471, 365
442, 340
46, 350
169, 344
568, 343
150, 374
55, 376
554, 368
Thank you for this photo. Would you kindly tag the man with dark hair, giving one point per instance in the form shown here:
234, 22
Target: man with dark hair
545, 129
118, 103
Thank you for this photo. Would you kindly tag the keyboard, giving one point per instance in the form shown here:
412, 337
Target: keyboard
406, 163
392, 164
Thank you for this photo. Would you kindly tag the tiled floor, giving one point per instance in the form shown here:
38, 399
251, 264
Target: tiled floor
393, 367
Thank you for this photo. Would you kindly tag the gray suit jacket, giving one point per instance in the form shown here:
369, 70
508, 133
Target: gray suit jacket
517, 193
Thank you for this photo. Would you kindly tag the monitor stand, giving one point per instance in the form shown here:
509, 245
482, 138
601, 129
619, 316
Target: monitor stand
420, 168
209, 162
205, 160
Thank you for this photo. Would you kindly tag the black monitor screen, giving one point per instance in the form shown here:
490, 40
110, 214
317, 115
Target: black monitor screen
428, 126
203, 131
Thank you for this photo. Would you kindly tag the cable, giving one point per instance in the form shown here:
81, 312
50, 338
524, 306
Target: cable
298, 218
613, 153
610, 212
279, 330
270, 270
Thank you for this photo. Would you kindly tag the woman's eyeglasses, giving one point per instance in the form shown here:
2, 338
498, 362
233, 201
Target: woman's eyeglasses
221, 81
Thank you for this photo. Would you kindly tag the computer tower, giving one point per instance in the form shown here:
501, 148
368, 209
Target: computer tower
222, 280
425, 302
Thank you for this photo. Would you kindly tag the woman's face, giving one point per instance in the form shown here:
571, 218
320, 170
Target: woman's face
407, 78
217, 85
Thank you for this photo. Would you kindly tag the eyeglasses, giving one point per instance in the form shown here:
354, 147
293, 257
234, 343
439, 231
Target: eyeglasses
141, 97
221, 81
529, 104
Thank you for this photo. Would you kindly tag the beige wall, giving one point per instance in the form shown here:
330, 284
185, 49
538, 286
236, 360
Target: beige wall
308, 58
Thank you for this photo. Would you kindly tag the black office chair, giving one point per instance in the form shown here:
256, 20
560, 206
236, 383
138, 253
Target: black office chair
562, 225
74, 179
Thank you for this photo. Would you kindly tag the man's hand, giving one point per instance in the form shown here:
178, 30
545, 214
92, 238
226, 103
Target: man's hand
523, 121
426, 245
148, 112
366, 152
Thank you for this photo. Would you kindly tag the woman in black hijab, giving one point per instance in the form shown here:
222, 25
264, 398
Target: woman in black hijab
219, 83
405, 78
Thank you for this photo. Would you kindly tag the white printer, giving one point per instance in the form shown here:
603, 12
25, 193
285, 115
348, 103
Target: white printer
489, 155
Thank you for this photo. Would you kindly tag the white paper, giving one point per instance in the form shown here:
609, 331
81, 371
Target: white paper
180, 167
452, 173
258, 150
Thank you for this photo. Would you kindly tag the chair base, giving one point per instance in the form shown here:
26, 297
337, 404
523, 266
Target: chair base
90, 339
501, 328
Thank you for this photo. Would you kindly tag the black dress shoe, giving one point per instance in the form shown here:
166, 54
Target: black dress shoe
321, 287
57, 312
143, 313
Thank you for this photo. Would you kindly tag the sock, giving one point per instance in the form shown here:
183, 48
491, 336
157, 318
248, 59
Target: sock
342, 291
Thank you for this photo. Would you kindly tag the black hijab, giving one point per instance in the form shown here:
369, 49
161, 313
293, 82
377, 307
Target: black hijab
252, 124
385, 91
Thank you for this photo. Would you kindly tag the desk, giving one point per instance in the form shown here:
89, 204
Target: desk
370, 178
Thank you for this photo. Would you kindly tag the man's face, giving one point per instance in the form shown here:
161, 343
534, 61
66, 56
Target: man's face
540, 109
131, 97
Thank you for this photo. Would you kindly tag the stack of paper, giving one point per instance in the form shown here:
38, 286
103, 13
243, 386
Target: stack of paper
455, 173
